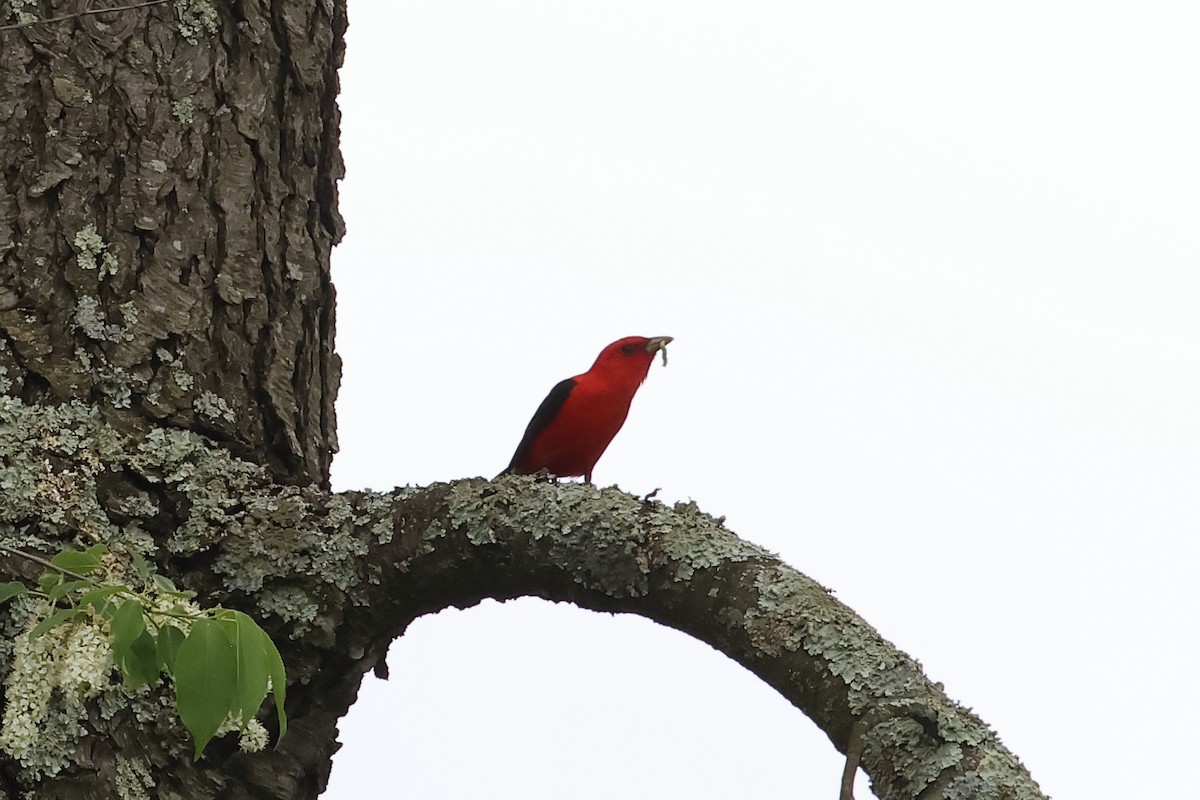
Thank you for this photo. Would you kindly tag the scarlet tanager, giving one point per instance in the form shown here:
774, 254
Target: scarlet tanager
581, 415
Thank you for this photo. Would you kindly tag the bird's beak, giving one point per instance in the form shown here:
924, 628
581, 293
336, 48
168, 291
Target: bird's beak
658, 343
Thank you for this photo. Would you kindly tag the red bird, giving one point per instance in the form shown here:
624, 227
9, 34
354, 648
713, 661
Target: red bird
581, 415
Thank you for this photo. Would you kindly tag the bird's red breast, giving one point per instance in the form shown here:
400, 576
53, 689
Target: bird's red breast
581, 415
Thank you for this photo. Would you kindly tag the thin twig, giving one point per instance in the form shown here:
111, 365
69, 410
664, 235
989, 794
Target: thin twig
77, 14
39, 560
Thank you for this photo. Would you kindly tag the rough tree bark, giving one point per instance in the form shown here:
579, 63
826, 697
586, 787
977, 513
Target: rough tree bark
168, 375
166, 222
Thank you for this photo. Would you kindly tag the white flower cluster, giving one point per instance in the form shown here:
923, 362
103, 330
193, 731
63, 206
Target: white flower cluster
84, 659
253, 737
28, 691
75, 659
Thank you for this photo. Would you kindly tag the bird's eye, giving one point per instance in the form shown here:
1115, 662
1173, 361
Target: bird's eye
629, 349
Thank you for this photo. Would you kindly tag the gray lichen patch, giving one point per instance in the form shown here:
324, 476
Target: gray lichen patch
196, 18
92, 253
292, 544
591, 533
116, 384
609, 539
975, 766
129, 313
90, 319
794, 613
54, 457
912, 754
65, 467
184, 110
376, 511
23, 11
182, 378
208, 404
134, 780
693, 540
293, 606
922, 736
51, 457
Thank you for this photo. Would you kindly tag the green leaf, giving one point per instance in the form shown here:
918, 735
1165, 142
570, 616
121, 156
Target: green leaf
278, 680
252, 671
128, 623
80, 561
100, 597
205, 678
134, 648
11, 589
63, 589
168, 642
57, 618
141, 664
168, 587
258, 661
164, 583
279, 683
49, 580
141, 567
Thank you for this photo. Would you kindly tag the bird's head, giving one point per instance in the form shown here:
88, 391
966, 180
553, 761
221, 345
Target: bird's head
632, 355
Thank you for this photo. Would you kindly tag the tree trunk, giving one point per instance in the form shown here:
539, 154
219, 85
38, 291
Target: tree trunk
167, 218
167, 317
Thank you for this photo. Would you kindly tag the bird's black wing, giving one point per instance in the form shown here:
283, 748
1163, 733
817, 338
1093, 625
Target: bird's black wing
542, 418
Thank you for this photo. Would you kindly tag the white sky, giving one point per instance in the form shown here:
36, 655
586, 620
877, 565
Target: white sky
933, 272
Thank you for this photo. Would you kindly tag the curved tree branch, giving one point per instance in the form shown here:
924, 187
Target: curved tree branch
608, 551
456, 544
336, 577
